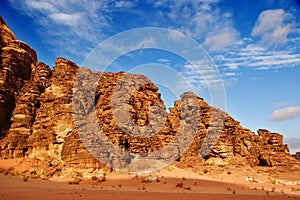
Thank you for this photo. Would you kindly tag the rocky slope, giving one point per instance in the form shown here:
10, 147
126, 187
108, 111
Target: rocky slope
36, 118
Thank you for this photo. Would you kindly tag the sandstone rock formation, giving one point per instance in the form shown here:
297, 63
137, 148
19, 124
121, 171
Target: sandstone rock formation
297, 155
36, 117
15, 69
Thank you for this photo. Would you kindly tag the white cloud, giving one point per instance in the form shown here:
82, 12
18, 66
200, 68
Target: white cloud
201, 75
124, 4
66, 19
48, 7
229, 74
70, 28
202, 20
75, 27
220, 40
257, 57
286, 113
273, 26
163, 60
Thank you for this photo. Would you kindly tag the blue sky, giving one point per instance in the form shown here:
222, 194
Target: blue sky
254, 44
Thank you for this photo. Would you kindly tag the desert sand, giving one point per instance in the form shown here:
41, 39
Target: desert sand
168, 183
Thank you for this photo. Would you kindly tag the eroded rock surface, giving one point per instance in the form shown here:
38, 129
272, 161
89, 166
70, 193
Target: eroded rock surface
297, 155
36, 117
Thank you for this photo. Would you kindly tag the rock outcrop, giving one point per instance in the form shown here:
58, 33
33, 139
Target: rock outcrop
297, 155
24, 113
15, 70
6, 34
36, 117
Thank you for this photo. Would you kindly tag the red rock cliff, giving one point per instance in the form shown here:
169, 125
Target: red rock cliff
36, 117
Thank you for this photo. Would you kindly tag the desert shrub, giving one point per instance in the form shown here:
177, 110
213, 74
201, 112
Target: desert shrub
187, 188
295, 189
73, 182
25, 178
179, 185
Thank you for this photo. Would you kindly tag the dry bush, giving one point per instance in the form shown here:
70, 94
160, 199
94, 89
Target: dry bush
25, 178
73, 182
295, 189
179, 185
187, 187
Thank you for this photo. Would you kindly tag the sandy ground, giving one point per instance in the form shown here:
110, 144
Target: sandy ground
169, 183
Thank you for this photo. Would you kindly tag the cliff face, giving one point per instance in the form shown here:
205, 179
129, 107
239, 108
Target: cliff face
15, 70
36, 117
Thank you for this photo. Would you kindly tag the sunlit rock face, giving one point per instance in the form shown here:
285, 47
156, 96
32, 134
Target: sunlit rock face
36, 117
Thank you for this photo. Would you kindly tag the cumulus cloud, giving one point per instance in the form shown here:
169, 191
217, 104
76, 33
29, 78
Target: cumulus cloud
286, 113
273, 26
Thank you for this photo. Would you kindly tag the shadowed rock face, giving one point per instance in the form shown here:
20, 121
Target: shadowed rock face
15, 69
36, 118
5, 105
297, 155
5, 33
